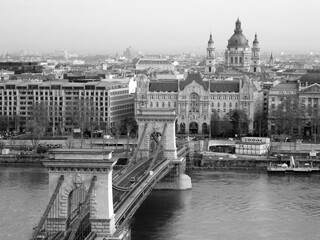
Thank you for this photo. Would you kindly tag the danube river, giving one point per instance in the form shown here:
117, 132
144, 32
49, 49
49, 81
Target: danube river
222, 205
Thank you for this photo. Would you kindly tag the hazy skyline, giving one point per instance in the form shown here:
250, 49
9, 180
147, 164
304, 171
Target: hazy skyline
156, 26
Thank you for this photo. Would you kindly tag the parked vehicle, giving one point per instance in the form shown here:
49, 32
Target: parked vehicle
132, 180
108, 137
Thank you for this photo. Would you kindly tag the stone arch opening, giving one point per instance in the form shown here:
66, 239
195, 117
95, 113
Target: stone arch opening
193, 128
155, 138
75, 199
205, 128
182, 128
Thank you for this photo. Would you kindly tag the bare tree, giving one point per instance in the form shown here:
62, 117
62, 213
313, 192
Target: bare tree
116, 130
314, 121
4, 123
288, 115
82, 115
261, 123
220, 127
37, 123
239, 120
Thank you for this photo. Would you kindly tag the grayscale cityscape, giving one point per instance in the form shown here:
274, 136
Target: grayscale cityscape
159, 120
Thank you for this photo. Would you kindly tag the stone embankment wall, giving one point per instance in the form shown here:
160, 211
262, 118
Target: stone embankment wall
15, 159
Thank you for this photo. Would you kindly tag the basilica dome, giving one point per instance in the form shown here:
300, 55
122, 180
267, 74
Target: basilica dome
238, 40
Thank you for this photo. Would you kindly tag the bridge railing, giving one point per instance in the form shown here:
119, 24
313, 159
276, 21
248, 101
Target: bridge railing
143, 193
182, 150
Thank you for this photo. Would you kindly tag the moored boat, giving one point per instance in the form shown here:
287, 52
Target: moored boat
293, 168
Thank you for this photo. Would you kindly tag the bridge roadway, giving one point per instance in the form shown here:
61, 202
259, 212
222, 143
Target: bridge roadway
125, 205
140, 190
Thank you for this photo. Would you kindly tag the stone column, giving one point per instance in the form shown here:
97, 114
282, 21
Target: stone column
102, 214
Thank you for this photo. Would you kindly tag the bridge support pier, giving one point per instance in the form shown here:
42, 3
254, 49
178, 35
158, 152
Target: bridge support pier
79, 166
176, 179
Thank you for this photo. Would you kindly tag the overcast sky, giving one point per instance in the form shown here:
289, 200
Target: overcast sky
156, 26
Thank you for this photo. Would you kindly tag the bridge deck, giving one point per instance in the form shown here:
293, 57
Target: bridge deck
143, 187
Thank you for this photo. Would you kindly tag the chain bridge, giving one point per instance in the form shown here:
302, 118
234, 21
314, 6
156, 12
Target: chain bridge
91, 199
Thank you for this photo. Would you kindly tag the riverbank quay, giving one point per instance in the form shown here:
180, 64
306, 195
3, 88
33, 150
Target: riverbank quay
211, 160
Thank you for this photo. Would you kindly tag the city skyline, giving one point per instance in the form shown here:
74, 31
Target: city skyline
99, 26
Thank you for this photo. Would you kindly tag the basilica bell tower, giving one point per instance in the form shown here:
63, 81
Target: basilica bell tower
255, 56
210, 59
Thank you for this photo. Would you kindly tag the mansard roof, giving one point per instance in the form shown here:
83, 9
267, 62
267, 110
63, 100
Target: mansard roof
163, 86
284, 86
224, 86
194, 77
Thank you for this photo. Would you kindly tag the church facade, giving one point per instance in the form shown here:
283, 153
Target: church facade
238, 55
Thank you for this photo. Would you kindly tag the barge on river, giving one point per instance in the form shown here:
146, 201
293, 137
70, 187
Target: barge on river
293, 168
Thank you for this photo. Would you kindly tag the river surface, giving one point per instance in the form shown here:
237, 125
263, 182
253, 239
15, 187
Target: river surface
222, 205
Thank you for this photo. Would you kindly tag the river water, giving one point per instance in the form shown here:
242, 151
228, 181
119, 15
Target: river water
222, 205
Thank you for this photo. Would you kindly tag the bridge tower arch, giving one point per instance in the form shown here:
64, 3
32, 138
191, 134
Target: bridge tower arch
157, 121
86, 173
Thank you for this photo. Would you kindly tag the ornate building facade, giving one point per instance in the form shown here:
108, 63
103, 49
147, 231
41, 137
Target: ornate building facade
307, 92
195, 99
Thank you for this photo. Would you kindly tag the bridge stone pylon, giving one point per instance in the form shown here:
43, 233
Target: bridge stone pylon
79, 166
157, 120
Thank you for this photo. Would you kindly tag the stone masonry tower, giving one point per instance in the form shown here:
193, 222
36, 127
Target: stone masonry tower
255, 56
210, 59
157, 121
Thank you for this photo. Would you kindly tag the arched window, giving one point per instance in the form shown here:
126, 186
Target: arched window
236, 60
231, 60
151, 104
240, 59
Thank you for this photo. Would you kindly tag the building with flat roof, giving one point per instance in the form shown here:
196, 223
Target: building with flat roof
109, 102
